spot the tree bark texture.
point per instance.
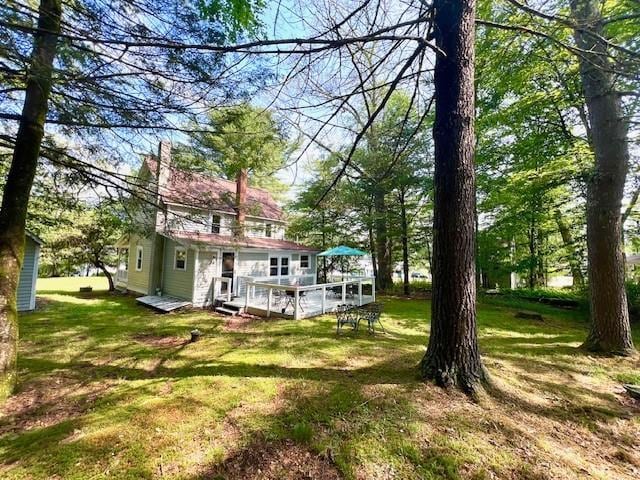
(372, 245)
(452, 356)
(610, 327)
(384, 279)
(15, 199)
(405, 243)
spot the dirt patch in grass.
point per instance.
(160, 341)
(48, 401)
(240, 322)
(271, 461)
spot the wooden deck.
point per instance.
(163, 304)
(310, 305)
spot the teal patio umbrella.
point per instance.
(342, 251)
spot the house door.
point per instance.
(228, 262)
(207, 269)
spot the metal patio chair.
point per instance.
(347, 315)
(371, 313)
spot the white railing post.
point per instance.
(359, 292)
(373, 288)
(269, 302)
(296, 301)
(324, 294)
(344, 292)
(247, 290)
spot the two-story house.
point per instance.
(207, 235)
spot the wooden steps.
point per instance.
(228, 308)
(163, 304)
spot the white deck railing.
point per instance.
(307, 300)
(223, 282)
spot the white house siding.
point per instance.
(196, 220)
(138, 281)
(188, 220)
(295, 264)
(207, 266)
(177, 283)
(252, 264)
(28, 274)
(256, 228)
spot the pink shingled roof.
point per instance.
(204, 191)
(229, 241)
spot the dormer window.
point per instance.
(267, 230)
(215, 224)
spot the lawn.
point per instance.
(111, 390)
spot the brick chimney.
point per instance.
(241, 201)
(163, 171)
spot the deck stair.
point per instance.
(228, 308)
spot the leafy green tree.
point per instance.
(94, 71)
(242, 138)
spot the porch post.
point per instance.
(269, 301)
(296, 301)
(324, 294)
(228, 291)
(373, 288)
(360, 292)
(344, 292)
(246, 294)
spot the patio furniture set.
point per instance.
(352, 315)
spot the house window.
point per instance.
(284, 266)
(267, 230)
(304, 261)
(180, 259)
(139, 258)
(215, 224)
(278, 266)
(273, 266)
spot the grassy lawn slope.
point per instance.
(112, 390)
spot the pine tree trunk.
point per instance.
(372, 246)
(15, 199)
(405, 243)
(610, 327)
(453, 357)
(383, 244)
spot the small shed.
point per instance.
(29, 273)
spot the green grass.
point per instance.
(70, 284)
(110, 390)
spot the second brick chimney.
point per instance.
(163, 169)
(241, 201)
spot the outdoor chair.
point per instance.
(290, 296)
(337, 291)
(347, 315)
(371, 313)
(350, 292)
(278, 298)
